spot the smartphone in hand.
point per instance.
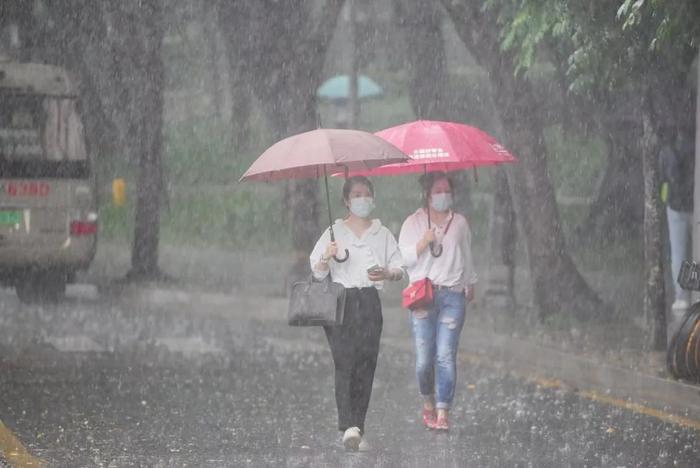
(374, 269)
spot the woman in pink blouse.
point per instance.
(436, 329)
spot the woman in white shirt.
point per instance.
(373, 258)
(436, 329)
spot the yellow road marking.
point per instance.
(637, 408)
(592, 395)
(547, 383)
(14, 452)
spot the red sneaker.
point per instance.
(429, 418)
(441, 424)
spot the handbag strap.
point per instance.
(327, 280)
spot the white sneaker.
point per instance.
(680, 304)
(352, 439)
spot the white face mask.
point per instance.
(441, 201)
(362, 206)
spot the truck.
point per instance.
(48, 204)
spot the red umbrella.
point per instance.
(319, 152)
(440, 146)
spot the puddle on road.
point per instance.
(165, 296)
(82, 291)
(288, 345)
(79, 343)
(188, 345)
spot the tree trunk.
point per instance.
(500, 286)
(617, 212)
(105, 42)
(421, 25)
(149, 187)
(301, 196)
(354, 98)
(62, 38)
(208, 16)
(558, 285)
(421, 33)
(421, 28)
(654, 303)
(283, 61)
(234, 23)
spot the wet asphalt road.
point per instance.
(165, 382)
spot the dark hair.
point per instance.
(427, 181)
(350, 181)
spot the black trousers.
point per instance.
(355, 347)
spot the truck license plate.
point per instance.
(10, 217)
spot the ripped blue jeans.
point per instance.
(436, 335)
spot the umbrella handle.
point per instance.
(435, 251)
(341, 260)
(330, 218)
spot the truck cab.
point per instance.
(48, 206)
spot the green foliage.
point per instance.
(244, 217)
(526, 26)
(203, 201)
(200, 149)
(207, 205)
(116, 223)
(629, 11)
(606, 44)
(673, 23)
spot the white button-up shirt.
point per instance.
(376, 246)
(454, 268)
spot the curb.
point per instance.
(581, 373)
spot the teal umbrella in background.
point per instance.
(338, 88)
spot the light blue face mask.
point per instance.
(362, 206)
(441, 201)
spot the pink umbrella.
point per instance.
(440, 146)
(326, 150)
(320, 152)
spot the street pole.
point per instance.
(696, 191)
(354, 101)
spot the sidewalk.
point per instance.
(580, 357)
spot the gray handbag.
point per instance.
(316, 303)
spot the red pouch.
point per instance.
(418, 295)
